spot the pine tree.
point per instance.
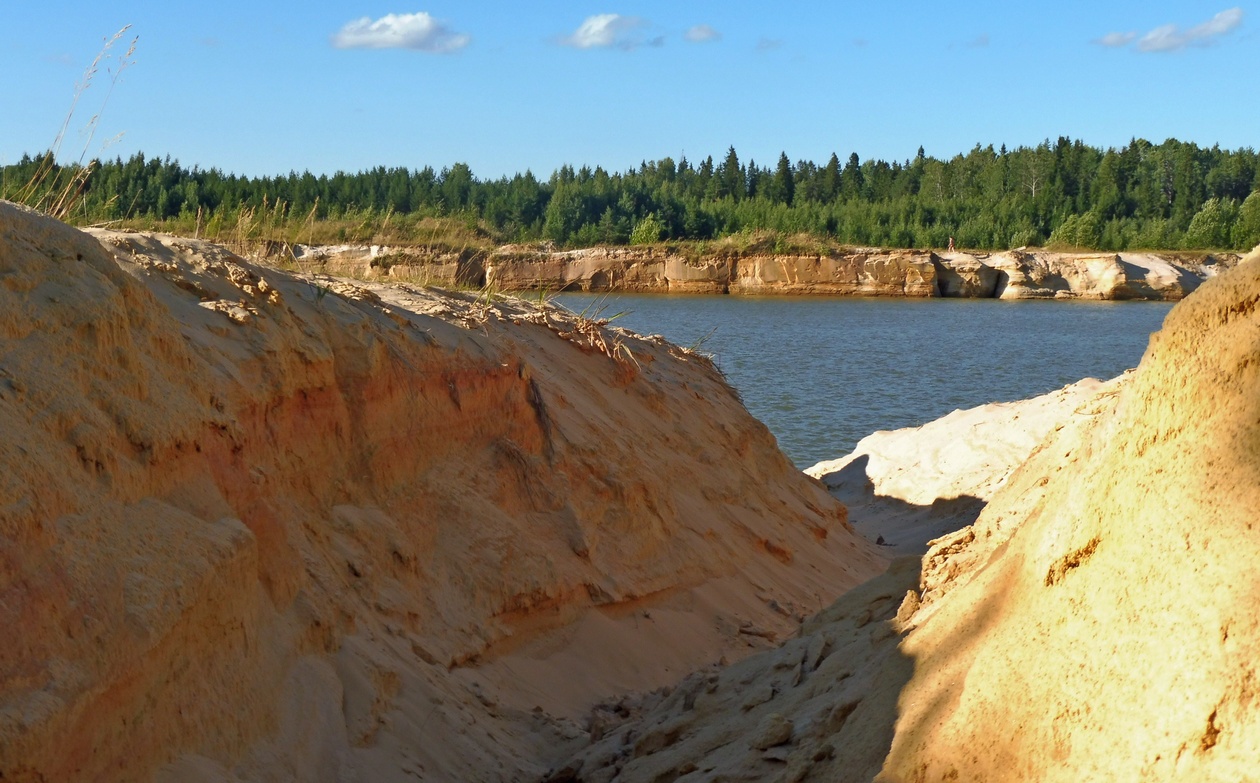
(851, 180)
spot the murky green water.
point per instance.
(823, 373)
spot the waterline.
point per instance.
(824, 372)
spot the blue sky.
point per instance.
(264, 87)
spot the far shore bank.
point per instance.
(1015, 274)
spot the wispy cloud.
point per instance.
(1116, 40)
(1173, 38)
(609, 30)
(979, 42)
(400, 31)
(769, 44)
(702, 33)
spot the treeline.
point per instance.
(1143, 195)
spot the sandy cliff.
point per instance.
(1017, 274)
(1042, 275)
(1095, 623)
(259, 526)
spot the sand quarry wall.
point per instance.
(259, 526)
(1017, 274)
(1113, 634)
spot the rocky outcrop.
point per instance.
(1017, 274)
(606, 269)
(1095, 623)
(861, 273)
(965, 276)
(1021, 274)
(257, 525)
(1040, 275)
(464, 268)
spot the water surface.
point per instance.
(824, 373)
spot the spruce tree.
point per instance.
(731, 177)
(831, 178)
(783, 186)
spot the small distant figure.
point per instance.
(951, 245)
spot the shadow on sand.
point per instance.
(904, 528)
(842, 683)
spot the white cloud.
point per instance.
(702, 33)
(1163, 39)
(604, 30)
(400, 31)
(1172, 38)
(1116, 40)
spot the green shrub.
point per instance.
(1247, 227)
(1212, 225)
(647, 231)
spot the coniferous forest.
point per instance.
(1174, 195)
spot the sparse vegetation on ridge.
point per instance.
(45, 184)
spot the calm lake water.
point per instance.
(824, 373)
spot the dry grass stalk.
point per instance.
(55, 189)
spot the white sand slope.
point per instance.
(906, 487)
